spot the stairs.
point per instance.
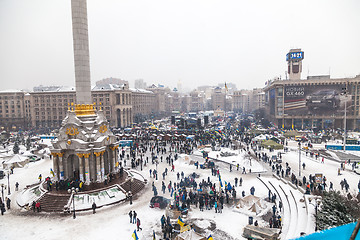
(136, 186)
(53, 203)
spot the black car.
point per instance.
(323, 98)
(159, 202)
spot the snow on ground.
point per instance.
(113, 221)
(240, 157)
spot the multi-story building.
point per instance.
(316, 102)
(160, 98)
(218, 100)
(14, 109)
(247, 101)
(47, 106)
(197, 102)
(143, 104)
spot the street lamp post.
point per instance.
(299, 159)
(73, 191)
(2, 191)
(344, 92)
(156, 175)
(8, 176)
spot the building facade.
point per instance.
(317, 102)
(46, 107)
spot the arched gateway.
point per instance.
(85, 149)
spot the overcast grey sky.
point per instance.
(196, 42)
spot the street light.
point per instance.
(156, 175)
(299, 158)
(73, 191)
(8, 175)
(2, 191)
(344, 92)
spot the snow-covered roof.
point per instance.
(11, 91)
(110, 86)
(140, 90)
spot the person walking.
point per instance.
(38, 206)
(8, 201)
(134, 216)
(2, 207)
(93, 207)
(138, 224)
(16, 186)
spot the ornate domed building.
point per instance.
(85, 149)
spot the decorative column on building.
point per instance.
(87, 168)
(102, 165)
(98, 166)
(81, 166)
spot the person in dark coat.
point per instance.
(93, 207)
(2, 208)
(8, 201)
(33, 205)
(134, 216)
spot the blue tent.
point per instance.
(337, 233)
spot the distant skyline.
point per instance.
(196, 42)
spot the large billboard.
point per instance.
(315, 99)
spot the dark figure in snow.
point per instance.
(17, 185)
(134, 216)
(240, 182)
(138, 224)
(33, 205)
(8, 201)
(236, 181)
(252, 190)
(2, 207)
(280, 205)
(93, 206)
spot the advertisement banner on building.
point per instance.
(315, 99)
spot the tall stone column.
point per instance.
(98, 166)
(102, 165)
(81, 51)
(56, 166)
(81, 166)
(61, 166)
(87, 169)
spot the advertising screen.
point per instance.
(315, 99)
(295, 55)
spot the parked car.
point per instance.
(159, 202)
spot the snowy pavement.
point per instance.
(113, 221)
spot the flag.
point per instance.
(210, 237)
(180, 221)
(134, 235)
(52, 172)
